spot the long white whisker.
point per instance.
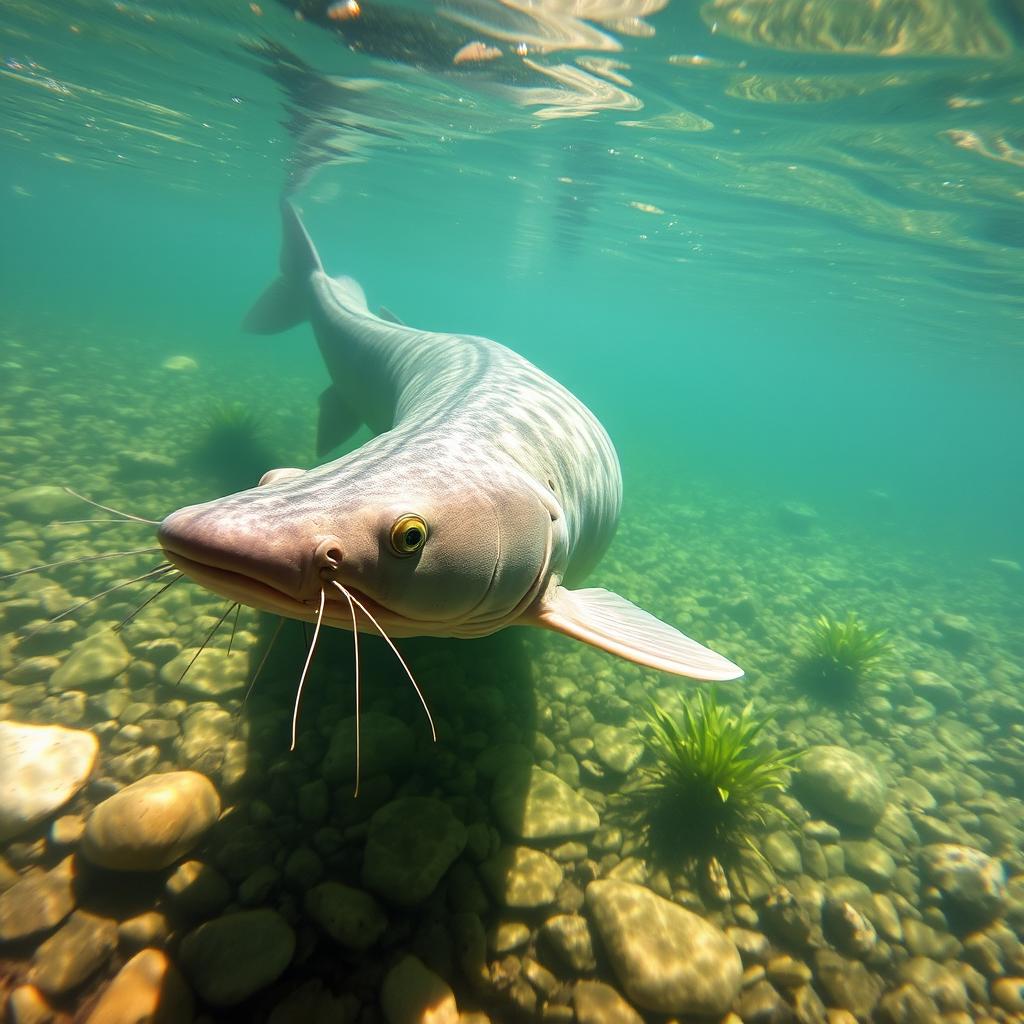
(387, 639)
(76, 522)
(159, 573)
(79, 561)
(209, 636)
(112, 511)
(149, 600)
(355, 642)
(263, 661)
(305, 668)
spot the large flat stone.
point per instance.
(666, 958)
(43, 767)
(531, 803)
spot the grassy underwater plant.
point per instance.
(707, 792)
(232, 446)
(838, 654)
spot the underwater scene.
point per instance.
(512, 511)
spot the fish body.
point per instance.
(487, 492)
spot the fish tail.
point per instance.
(285, 302)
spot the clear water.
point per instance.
(776, 247)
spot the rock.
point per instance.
(937, 982)
(1009, 994)
(785, 972)
(783, 916)
(27, 1005)
(809, 1009)
(796, 517)
(67, 830)
(760, 1003)
(41, 503)
(93, 662)
(411, 844)
(598, 1003)
(882, 913)
(617, 749)
(666, 958)
(180, 364)
(69, 956)
(386, 747)
(349, 916)
(955, 631)
(846, 984)
(847, 928)
(915, 795)
(44, 766)
(214, 674)
(972, 884)
(303, 868)
(149, 928)
(469, 947)
(197, 890)
(753, 947)
(206, 732)
(412, 994)
(148, 990)
(741, 609)
(568, 938)
(842, 785)
(531, 803)
(507, 936)
(923, 940)
(38, 902)
(231, 957)
(152, 822)
(869, 861)
(906, 1005)
(520, 877)
(142, 465)
(781, 852)
(934, 689)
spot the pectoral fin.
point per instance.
(605, 620)
(337, 423)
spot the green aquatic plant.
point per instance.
(232, 446)
(838, 653)
(708, 790)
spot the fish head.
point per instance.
(423, 551)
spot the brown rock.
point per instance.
(147, 990)
(38, 902)
(81, 947)
(152, 822)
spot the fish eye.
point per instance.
(408, 534)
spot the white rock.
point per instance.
(44, 766)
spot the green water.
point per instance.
(777, 248)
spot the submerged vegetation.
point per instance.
(838, 654)
(232, 447)
(708, 790)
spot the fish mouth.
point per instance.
(254, 593)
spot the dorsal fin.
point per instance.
(392, 318)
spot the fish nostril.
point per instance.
(328, 558)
